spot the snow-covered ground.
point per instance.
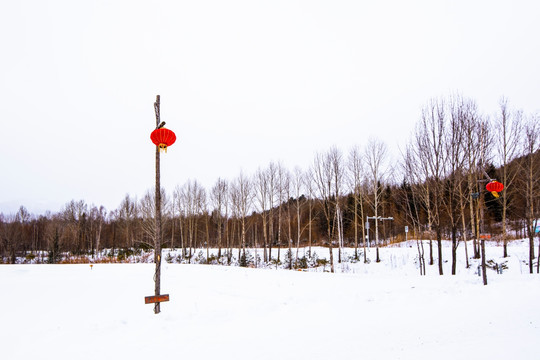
(368, 311)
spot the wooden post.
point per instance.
(157, 244)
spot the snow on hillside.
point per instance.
(375, 311)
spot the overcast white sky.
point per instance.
(242, 83)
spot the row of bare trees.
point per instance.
(437, 188)
(449, 160)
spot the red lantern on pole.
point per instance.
(163, 138)
(494, 187)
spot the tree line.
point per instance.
(353, 198)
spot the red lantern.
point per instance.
(494, 187)
(162, 138)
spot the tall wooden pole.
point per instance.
(157, 248)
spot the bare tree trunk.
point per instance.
(331, 250)
(265, 239)
(464, 236)
(431, 261)
(356, 227)
(474, 225)
(538, 260)
(207, 239)
(255, 241)
(297, 227)
(98, 236)
(229, 241)
(172, 230)
(422, 266)
(439, 250)
(309, 235)
(182, 242)
(279, 233)
(270, 231)
(530, 169)
(454, 250)
(484, 274)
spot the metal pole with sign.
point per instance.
(367, 233)
(406, 231)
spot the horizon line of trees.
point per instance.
(436, 188)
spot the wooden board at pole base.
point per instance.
(156, 299)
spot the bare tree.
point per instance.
(530, 168)
(429, 144)
(356, 172)
(147, 209)
(191, 194)
(308, 181)
(508, 127)
(375, 156)
(203, 206)
(9, 236)
(99, 216)
(74, 216)
(412, 173)
(484, 142)
(262, 196)
(180, 202)
(219, 199)
(281, 184)
(323, 177)
(286, 185)
(475, 143)
(336, 162)
(174, 205)
(242, 200)
(472, 133)
(460, 110)
(298, 185)
(272, 192)
(127, 213)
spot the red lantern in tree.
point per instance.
(494, 187)
(162, 138)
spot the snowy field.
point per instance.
(370, 311)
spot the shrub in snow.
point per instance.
(246, 259)
(322, 262)
(275, 262)
(213, 259)
(354, 258)
(312, 260)
(302, 263)
(229, 258)
(200, 258)
(179, 259)
(288, 259)
(258, 260)
(29, 258)
(124, 254)
(496, 266)
(243, 260)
